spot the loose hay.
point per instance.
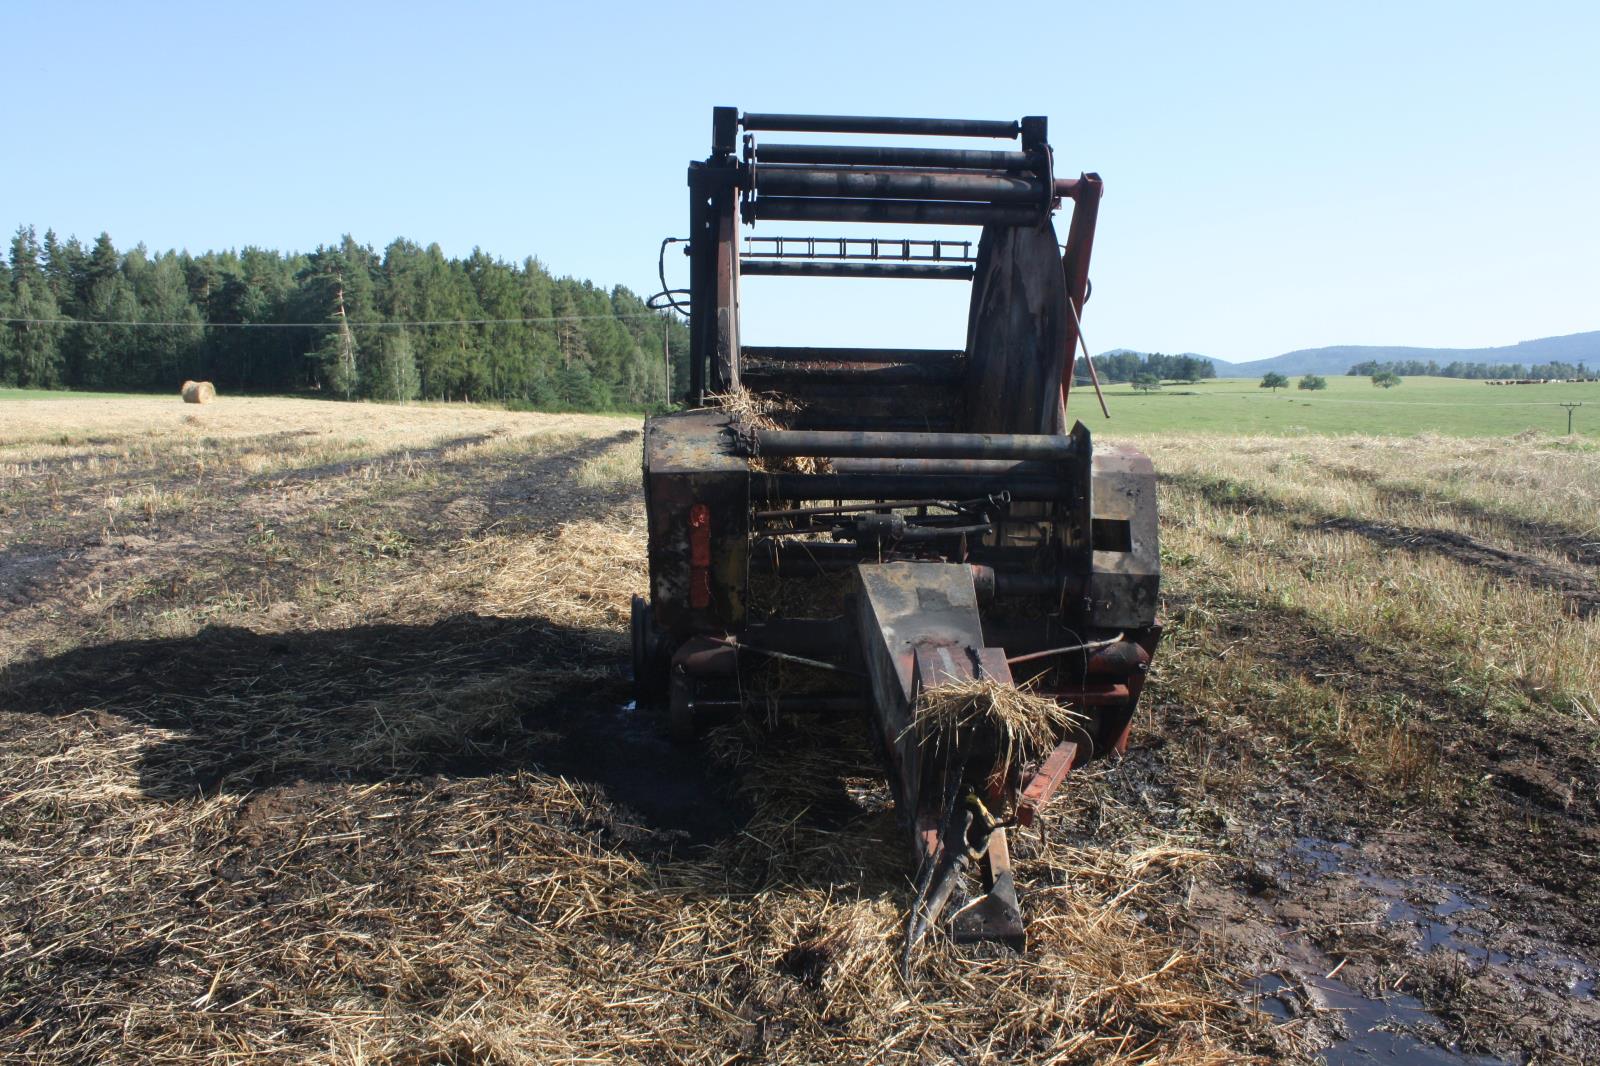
(1028, 723)
(755, 409)
(583, 575)
(767, 410)
(198, 392)
(520, 917)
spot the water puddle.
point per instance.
(1436, 923)
(1392, 1029)
(1381, 1030)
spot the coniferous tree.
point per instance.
(394, 377)
(61, 262)
(336, 356)
(98, 345)
(36, 338)
(478, 328)
(337, 288)
(8, 362)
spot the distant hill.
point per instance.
(1573, 348)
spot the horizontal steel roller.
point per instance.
(871, 445)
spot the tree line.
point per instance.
(1136, 366)
(345, 320)
(1476, 371)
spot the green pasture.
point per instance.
(1450, 406)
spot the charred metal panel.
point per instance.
(1016, 333)
(849, 382)
(1126, 579)
(902, 605)
(727, 345)
(863, 404)
(949, 358)
(689, 461)
(919, 626)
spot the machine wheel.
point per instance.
(650, 665)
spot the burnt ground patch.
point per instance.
(1580, 592)
(1518, 832)
(1536, 825)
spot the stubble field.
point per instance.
(314, 746)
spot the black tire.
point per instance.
(650, 665)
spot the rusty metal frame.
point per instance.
(1085, 194)
(978, 532)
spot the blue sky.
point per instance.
(1277, 176)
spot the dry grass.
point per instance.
(618, 466)
(1365, 559)
(759, 410)
(348, 802)
(262, 428)
(311, 763)
(1540, 494)
(582, 575)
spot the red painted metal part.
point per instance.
(699, 556)
(1085, 194)
(1095, 695)
(1042, 787)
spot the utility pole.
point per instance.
(666, 363)
(1569, 407)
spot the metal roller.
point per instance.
(948, 467)
(870, 445)
(925, 127)
(906, 486)
(914, 212)
(900, 185)
(872, 155)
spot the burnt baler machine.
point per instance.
(891, 521)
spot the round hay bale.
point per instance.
(199, 392)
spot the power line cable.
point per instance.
(322, 325)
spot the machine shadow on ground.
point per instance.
(467, 696)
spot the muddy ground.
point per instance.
(177, 647)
